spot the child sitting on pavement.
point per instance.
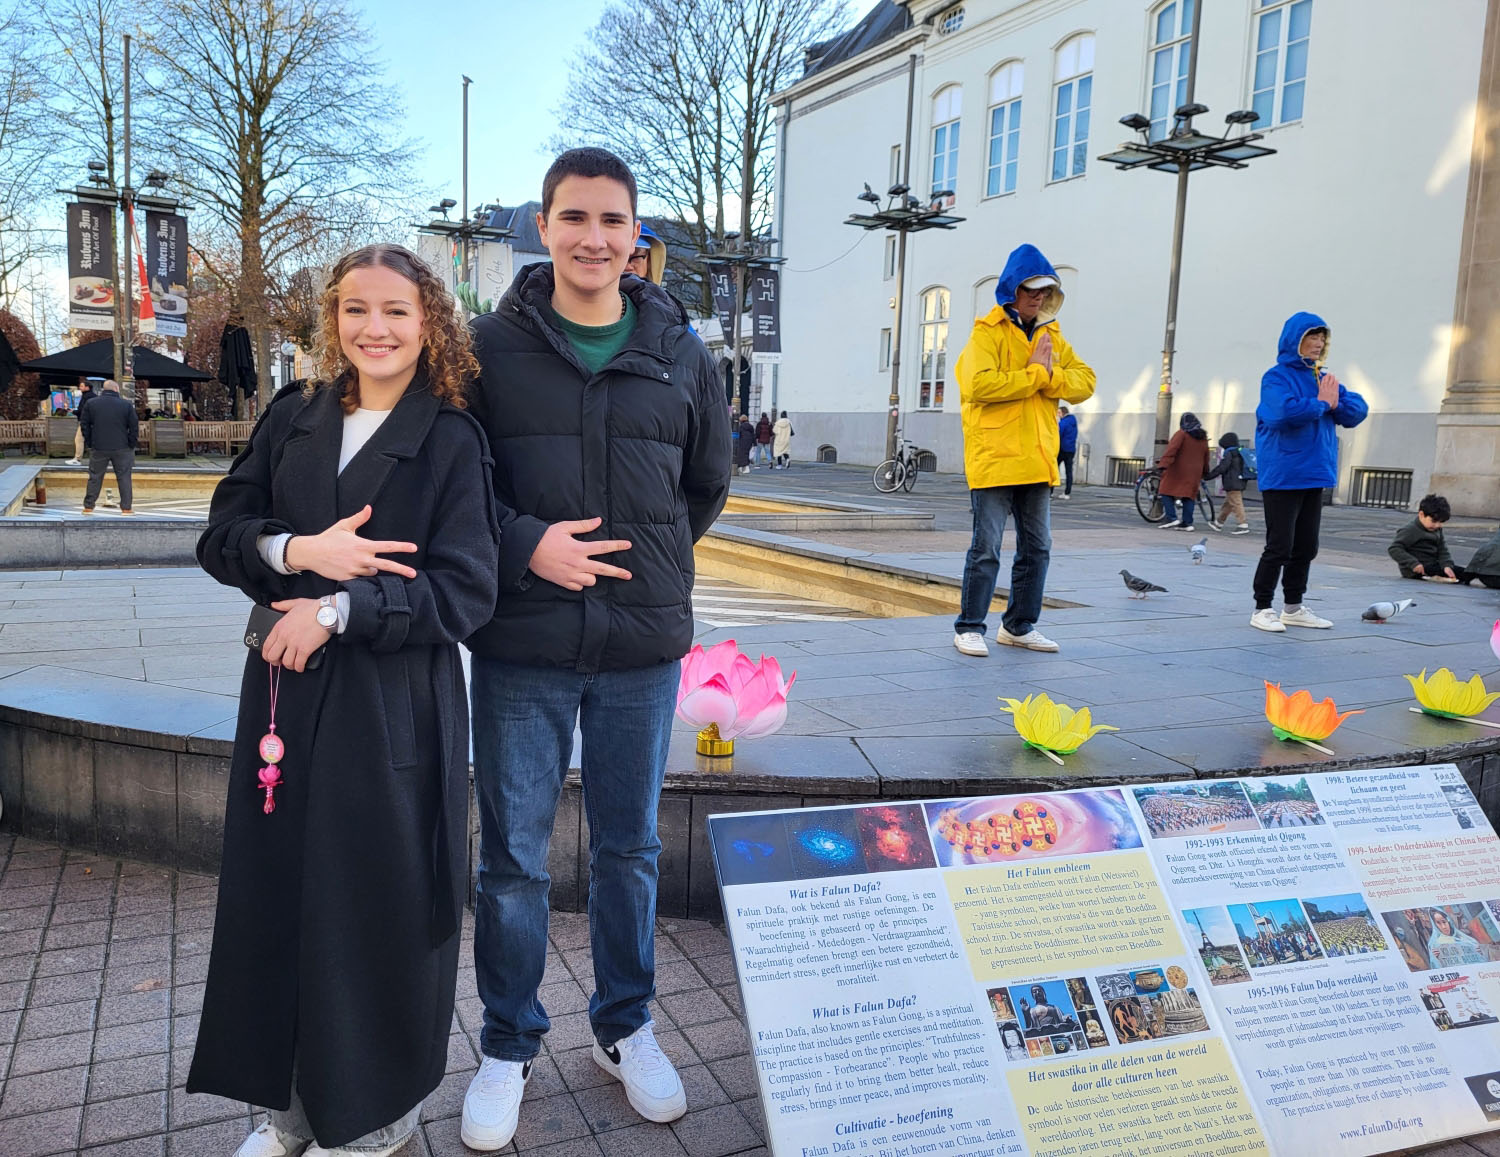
(1231, 469)
(1419, 549)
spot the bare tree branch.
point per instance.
(680, 90)
(264, 107)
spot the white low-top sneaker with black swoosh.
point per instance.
(652, 1085)
(492, 1106)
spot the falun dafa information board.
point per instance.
(1281, 965)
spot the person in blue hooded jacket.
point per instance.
(1296, 440)
(1067, 446)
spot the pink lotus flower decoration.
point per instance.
(1495, 639)
(725, 690)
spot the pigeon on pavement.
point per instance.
(1139, 587)
(1199, 550)
(1380, 612)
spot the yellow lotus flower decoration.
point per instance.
(1298, 717)
(1444, 695)
(1050, 726)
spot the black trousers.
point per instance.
(122, 462)
(1293, 519)
(1065, 459)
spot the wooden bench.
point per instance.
(32, 432)
(229, 435)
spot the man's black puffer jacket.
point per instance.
(643, 444)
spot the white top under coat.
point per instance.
(359, 428)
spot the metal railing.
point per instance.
(1381, 486)
(1125, 471)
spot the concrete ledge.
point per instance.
(15, 484)
(143, 773)
(107, 542)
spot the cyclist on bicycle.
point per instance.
(1012, 373)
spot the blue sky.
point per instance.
(517, 53)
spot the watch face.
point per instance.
(328, 617)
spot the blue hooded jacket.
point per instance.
(1024, 263)
(1296, 442)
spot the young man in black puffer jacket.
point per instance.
(607, 421)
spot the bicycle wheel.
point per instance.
(1147, 500)
(888, 475)
(910, 478)
(1206, 502)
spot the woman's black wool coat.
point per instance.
(336, 939)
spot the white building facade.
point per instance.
(1359, 216)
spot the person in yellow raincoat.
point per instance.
(1011, 375)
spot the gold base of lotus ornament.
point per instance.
(709, 742)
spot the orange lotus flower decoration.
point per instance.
(1297, 717)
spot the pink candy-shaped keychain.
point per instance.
(271, 750)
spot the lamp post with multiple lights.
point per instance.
(902, 215)
(1184, 150)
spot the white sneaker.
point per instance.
(1302, 617)
(1169, 525)
(1065, 497)
(1189, 527)
(1032, 640)
(269, 1141)
(1266, 619)
(77, 462)
(1242, 528)
(652, 1085)
(493, 1104)
(1212, 525)
(971, 643)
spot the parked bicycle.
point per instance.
(1148, 500)
(900, 471)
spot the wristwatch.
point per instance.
(328, 614)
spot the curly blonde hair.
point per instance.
(447, 355)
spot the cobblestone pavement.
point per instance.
(102, 964)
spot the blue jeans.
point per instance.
(1031, 507)
(1170, 506)
(523, 736)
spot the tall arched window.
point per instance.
(1005, 129)
(984, 296)
(947, 108)
(1282, 28)
(934, 348)
(1171, 45)
(1072, 97)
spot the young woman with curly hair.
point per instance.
(362, 511)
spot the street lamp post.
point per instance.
(741, 254)
(902, 215)
(1183, 151)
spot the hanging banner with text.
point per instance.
(91, 267)
(765, 315)
(721, 284)
(1262, 966)
(166, 271)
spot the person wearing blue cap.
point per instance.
(649, 258)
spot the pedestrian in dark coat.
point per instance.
(331, 982)
(763, 435)
(743, 444)
(1183, 464)
(110, 429)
